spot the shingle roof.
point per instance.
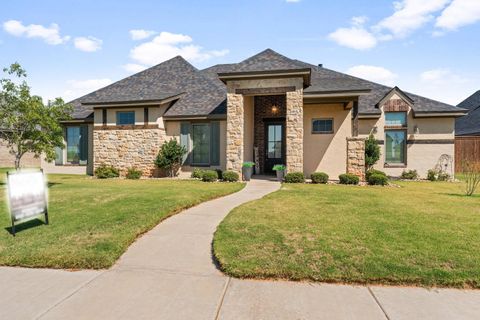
(469, 124)
(204, 94)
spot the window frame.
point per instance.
(323, 132)
(399, 164)
(117, 115)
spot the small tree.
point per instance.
(471, 172)
(170, 156)
(372, 152)
(26, 124)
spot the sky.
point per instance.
(70, 48)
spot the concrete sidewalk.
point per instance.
(169, 274)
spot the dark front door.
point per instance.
(274, 145)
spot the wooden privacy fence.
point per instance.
(467, 148)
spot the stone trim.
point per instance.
(128, 127)
(264, 91)
(235, 132)
(294, 131)
(356, 156)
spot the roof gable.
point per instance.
(470, 123)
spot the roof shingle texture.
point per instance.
(470, 123)
(204, 94)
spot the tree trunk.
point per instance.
(18, 157)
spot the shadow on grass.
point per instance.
(461, 195)
(22, 226)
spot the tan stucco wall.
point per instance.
(155, 115)
(326, 152)
(8, 160)
(296, 82)
(420, 157)
(248, 139)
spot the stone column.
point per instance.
(294, 131)
(356, 156)
(235, 125)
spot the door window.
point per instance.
(274, 145)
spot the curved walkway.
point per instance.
(169, 273)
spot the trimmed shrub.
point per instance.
(106, 172)
(133, 173)
(319, 177)
(348, 178)
(377, 180)
(409, 175)
(170, 156)
(197, 173)
(209, 176)
(373, 171)
(230, 176)
(432, 175)
(294, 177)
(372, 151)
(443, 176)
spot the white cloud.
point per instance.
(374, 73)
(441, 76)
(133, 67)
(50, 35)
(167, 45)
(410, 15)
(355, 37)
(458, 14)
(78, 88)
(140, 34)
(88, 44)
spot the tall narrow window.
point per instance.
(395, 147)
(201, 144)
(77, 145)
(125, 118)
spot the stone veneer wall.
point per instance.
(235, 129)
(356, 156)
(126, 148)
(262, 106)
(294, 131)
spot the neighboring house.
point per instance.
(268, 109)
(469, 125)
(467, 134)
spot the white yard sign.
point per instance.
(27, 195)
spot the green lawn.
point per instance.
(92, 222)
(422, 233)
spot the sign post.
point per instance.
(27, 195)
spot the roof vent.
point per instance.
(320, 65)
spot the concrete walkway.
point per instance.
(169, 274)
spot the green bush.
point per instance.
(105, 172)
(432, 175)
(209, 176)
(230, 176)
(197, 173)
(319, 177)
(133, 173)
(443, 176)
(348, 178)
(409, 175)
(373, 171)
(377, 179)
(372, 151)
(294, 177)
(170, 157)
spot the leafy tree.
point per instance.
(26, 123)
(170, 156)
(372, 151)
